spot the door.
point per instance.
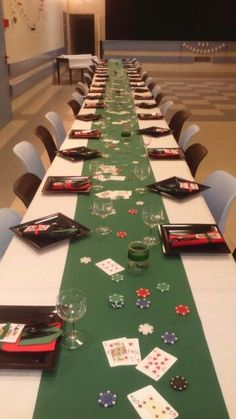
(5, 108)
(82, 34)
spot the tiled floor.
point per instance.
(211, 101)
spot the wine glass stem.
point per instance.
(151, 231)
(73, 328)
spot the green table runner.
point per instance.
(71, 392)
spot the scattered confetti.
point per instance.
(146, 329)
(121, 234)
(139, 203)
(85, 260)
(132, 211)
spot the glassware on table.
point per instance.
(103, 207)
(95, 170)
(152, 217)
(146, 141)
(71, 305)
(138, 255)
(141, 171)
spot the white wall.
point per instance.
(21, 42)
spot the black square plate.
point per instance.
(60, 228)
(78, 153)
(173, 186)
(191, 229)
(67, 184)
(165, 153)
(29, 315)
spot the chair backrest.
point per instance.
(77, 96)
(148, 81)
(8, 218)
(155, 90)
(26, 186)
(60, 132)
(159, 98)
(177, 121)
(87, 79)
(165, 106)
(46, 137)
(194, 155)
(30, 158)
(144, 75)
(187, 134)
(82, 88)
(75, 106)
(220, 195)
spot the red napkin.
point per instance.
(178, 240)
(46, 347)
(163, 153)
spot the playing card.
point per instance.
(9, 332)
(133, 351)
(114, 194)
(149, 404)
(117, 351)
(110, 266)
(156, 363)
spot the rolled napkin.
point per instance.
(89, 117)
(76, 133)
(71, 185)
(144, 105)
(37, 230)
(186, 239)
(154, 131)
(157, 153)
(149, 116)
(94, 105)
(140, 97)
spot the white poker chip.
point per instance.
(146, 329)
(85, 260)
(140, 203)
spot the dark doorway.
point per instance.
(82, 34)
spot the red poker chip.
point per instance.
(181, 309)
(121, 234)
(132, 211)
(142, 292)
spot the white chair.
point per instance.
(155, 91)
(165, 107)
(220, 195)
(60, 132)
(8, 218)
(187, 134)
(148, 81)
(30, 158)
(82, 88)
(78, 97)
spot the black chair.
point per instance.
(158, 98)
(75, 106)
(177, 121)
(46, 137)
(194, 155)
(26, 186)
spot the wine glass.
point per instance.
(152, 216)
(103, 207)
(146, 141)
(141, 172)
(71, 305)
(95, 169)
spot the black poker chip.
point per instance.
(179, 383)
(107, 398)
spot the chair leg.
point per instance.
(70, 75)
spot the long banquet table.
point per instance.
(205, 282)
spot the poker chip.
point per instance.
(169, 337)
(142, 292)
(143, 303)
(132, 211)
(139, 203)
(146, 329)
(107, 398)
(179, 383)
(116, 300)
(121, 234)
(182, 310)
(163, 287)
(117, 277)
(85, 260)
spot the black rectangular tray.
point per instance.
(65, 182)
(165, 230)
(171, 187)
(80, 134)
(159, 154)
(56, 221)
(29, 360)
(79, 153)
